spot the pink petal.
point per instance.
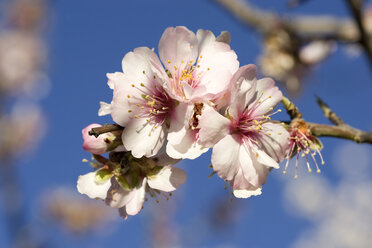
(177, 45)
(141, 60)
(225, 157)
(213, 127)
(269, 99)
(276, 144)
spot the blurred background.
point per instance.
(54, 56)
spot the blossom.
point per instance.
(200, 68)
(155, 96)
(246, 145)
(123, 180)
(96, 145)
(304, 144)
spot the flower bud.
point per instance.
(97, 145)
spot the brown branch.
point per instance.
(344, 132)
(97, 131)
(292, 110)
(312, 27)
(328, 113)
(356, 10)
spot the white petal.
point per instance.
(243, 193)
(105, 109)
(168, 179)
(135, 204)
(117, 197)
(225, 157)
(213, 127)
(86, 185)
(142, 138)
(189, 148)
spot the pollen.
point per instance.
(169, 61)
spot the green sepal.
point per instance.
(123, 182)
(102, 176)
(316, 144)
(154, 171)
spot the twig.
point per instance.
(97, 131)
(344, 132)
(310, 27)
(292, 110)
(328, 113)
(356, 10)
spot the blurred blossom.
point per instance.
(77, 214)
(21, 129)
(21, 60)
(341, 214)
(279, 61)
(26, 14)
(316, 51)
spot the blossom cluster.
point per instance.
(178, 105)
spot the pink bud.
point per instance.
(95, 145)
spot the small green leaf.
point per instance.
(123, 182)
(102, 176)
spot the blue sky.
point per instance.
(87, 39)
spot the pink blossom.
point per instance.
(150, 100)
(246, 144)
(97, 145)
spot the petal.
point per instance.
(121, 103)
(225, 157)
(123, 213)
(140, 64)
(117, 197)
(276, 144)
(142, 138)
(86, 185)
(244, 193)
(179, 120)
(136, 203)
(268, 97)
(224, 37)
(168, 179)
(213, 127)
(177, 45)
(215, 66)
(188, 148)
(243, 89)
(105, 109)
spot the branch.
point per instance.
(332, 116)
(344, 132)
(356, 9)
(292, 110)
(313, 27)
(97, 131)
